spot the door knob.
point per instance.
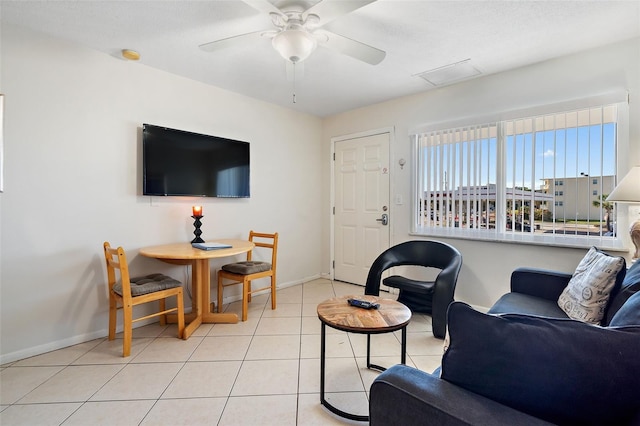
(384, 219)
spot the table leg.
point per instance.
(323, 401)
(403, 355)
(196, 312)
(369, 364)
(205, 301)
(322, 361)
(200, 301)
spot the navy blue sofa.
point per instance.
(530, 365)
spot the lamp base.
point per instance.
(634, 231)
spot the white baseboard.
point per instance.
(82, 338)
(51, 346)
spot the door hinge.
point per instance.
(334, 210)
(334, 264)
(334, 156)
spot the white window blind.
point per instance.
(536, 177)
(458, 177)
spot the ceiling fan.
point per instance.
(298, 30)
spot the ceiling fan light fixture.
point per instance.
(294, 45)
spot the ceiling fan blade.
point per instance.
(328, 10)
(355, 49)
(263, 6)
(238, 40)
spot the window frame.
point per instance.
(614, 243)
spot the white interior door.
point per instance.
(361, 179)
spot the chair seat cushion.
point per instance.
(414, 286)
(148, 284)
(247, 267)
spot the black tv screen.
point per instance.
(176, 162)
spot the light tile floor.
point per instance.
(265, 371)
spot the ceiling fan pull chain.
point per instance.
(294, 82)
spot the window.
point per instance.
(500, 180)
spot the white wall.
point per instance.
(487, 266)
(72, 180)
(72, 161)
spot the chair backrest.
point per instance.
(427, 253)
(268, 241)
(117, 261)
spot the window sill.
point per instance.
(548, 240)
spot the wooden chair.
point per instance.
(127, 292)
(246, 271)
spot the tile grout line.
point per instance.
(244, 359)
(313, 293)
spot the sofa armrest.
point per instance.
(406, 396)
(539, 282)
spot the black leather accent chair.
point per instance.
(431, 297)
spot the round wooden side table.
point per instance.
(337, 313)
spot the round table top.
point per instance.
(338, 314)
(185, 251)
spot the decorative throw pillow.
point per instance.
(585, 297)
(560, 370)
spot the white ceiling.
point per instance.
(418, 35)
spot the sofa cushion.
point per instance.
(560, 370)
(630, 286)
(628, 314)
(586, 296)
(518, 303)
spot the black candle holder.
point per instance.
(197, 232)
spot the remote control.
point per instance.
(363, 304)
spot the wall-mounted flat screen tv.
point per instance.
(180, 163)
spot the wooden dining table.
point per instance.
(185, 254)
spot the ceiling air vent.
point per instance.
(449, 73)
